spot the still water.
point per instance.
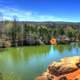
(26, 63)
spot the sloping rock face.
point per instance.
(66, 69)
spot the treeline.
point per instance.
(36, 33)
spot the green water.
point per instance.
(26, 63)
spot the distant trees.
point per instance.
(1, 25)
(15, 30)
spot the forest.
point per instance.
(19, 33)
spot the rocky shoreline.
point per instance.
(66, 69)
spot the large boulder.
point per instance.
(66, 69)
(7, 44)
(65, 66)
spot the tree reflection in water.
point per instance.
(1, 76)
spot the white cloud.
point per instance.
(22, 15)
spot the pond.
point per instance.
(26, 63)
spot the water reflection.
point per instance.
(25, 63)
(69, 47)
(1, 76)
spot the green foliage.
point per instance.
(44, 31)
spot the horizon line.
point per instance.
(41, 21)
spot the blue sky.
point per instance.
(41, 10)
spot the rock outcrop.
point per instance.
(66, 69)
